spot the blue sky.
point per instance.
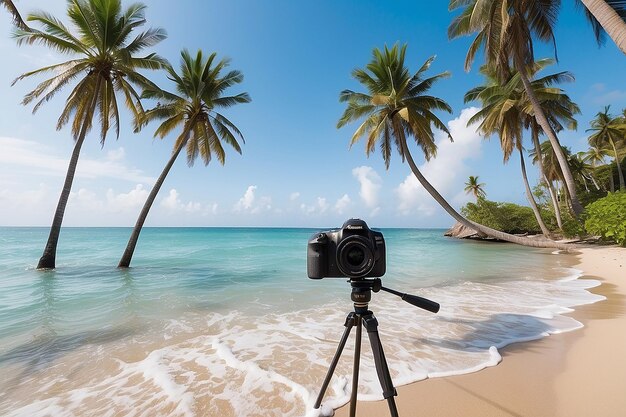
(296, 168)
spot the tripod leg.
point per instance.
(355, 367)
(371, 324)
(350, 322)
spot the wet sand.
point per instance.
(580, 373)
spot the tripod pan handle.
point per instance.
(421, 302)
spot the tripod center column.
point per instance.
(361, 295)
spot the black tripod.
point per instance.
(361, 295)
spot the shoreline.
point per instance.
(577, 373)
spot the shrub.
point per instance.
(571, 226)
(607, 217)
(507, 217)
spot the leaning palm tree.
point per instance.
(608, 132)
(477, 189)
(543, 156)
(560, 111)
(396, 107)
(104, 64)
(502, 114)
(200, 86)
(15, 14)
(553, 176)
(608, 16)
(506, 30)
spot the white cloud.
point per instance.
(294, 196)
(320, 207)
(92, 203)
(342, 204)
(245, 202)
(322, 204)
(370, 184)
(39, 158)
(116, 154)
(24, 198)
(173, 203)
(445, 172)
(86, 199)
(135, 198)
(251, 204)
(265, 204)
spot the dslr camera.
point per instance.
(354, 251)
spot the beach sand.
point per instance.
(579, 373)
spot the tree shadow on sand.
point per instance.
(498, 330)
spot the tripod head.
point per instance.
(362, 294)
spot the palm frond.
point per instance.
(229, 127)
(15, 15)
(146, 39)
(168, 125)
(349, 95)
(51, 86)
(362, 130)
(230, 101)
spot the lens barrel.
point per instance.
(355, 257)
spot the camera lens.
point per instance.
(355, 257)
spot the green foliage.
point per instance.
(507, 217)
(607, 217)
(571, 226)
(587, 197)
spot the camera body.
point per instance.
(354, 251)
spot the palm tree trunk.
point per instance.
(48, 258)
(610, 21)
(531, 199)
(595, 183)
(520, 240)
(547, 129)
(585, 183)
(134, 237)
(620, 174)
(555, 203)
(557, 210)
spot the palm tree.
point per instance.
(396, 107)
(559, 110)
(552, 170)
(105, 63)
(595, 157)
(200, 87)
(15, 14)
(472, 186)
(582, 170)
(505, 30)
(608, 133)
(503, 114)
(610, 16)
(543, 156)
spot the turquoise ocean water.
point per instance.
(225, 322)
